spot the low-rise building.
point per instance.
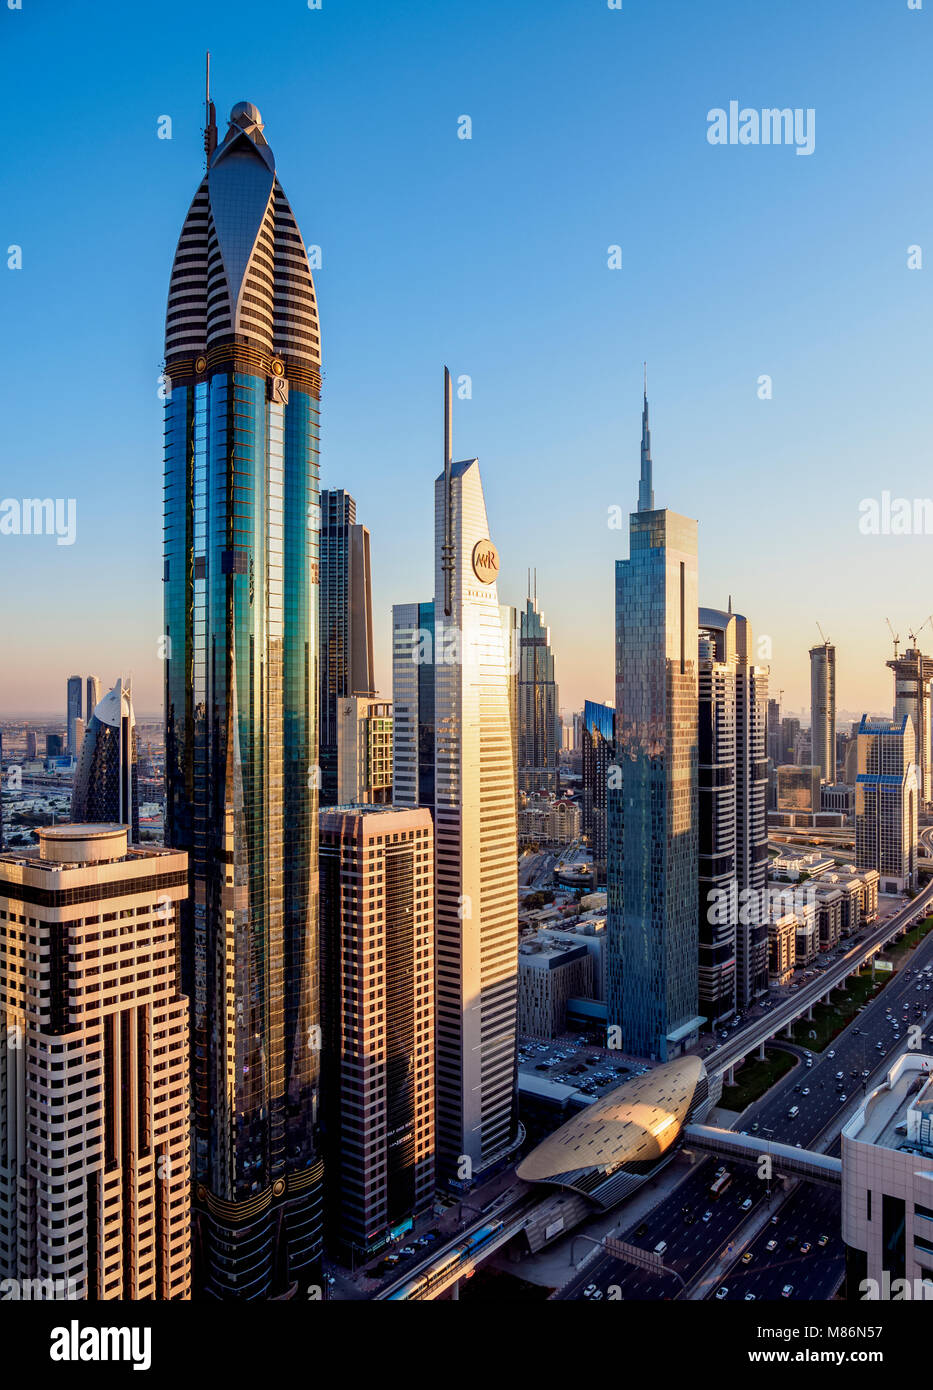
(782, 945)
(887, 1186)
(549, 973)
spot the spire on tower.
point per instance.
(645, 488)
(210, 120)
(447, 554)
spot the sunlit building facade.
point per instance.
(475, 837)
(242, 520)
(95, 1173)
(887, 802)
(823, 710)
(346, 626)
(377, 953)
(653, 816)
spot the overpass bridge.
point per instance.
(786, 1159)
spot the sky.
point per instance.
(589, 131)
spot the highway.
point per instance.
(760, 1030)
(696, 1246)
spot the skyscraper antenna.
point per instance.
(210, 118)
(447, 557)
(645, 486)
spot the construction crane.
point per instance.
(895, 635)
(824, 637)
(914, 635)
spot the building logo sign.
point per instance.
(485, 561)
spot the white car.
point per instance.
(787, 1290)
(749, 1298)
(591, 1291)
(722, 1292)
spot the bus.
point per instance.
(720, 1185)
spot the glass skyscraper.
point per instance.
(598, 739)
(106, 785)
(242, 520)
(346, 624)
(413, 704)
(653, 846)
(538, 748)
(75, 697)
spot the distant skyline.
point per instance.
(589, 131)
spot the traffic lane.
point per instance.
(690, 1246)
(851, 956)
(854, 1050)
(810, 1213)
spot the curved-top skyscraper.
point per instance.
(106, 784)
(243, 362)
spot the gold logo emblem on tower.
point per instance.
(278, 1187)
(200, 364)
(278, 367)
(485, 561)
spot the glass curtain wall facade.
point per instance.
(106, 785)
(538, 747)
(242, 520)
(598, 752)
(413, 704)
(346, 652)
(653, 845)
(75, 697)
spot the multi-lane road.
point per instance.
(696, 1246)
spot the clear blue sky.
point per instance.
(589, 129)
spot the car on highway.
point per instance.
(787, 1290)
(707, 1216)
(722, 1291)
(772, 1245)
(591, 1291)
(823, 1241)
(806, 1248)
(747, 1257)
(805, 1091)
(746, 1205)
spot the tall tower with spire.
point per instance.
(241, 536)
(652, 811)
(645, 484)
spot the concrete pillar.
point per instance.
(790, 1030)
(761, 1053)
(730, 1076)
(455, 1291)
(810, 1014)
